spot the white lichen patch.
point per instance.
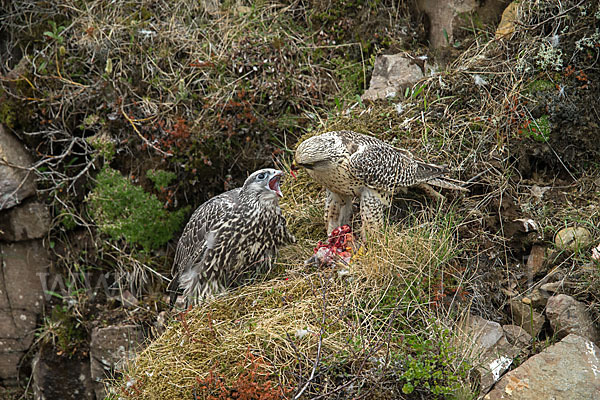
(498, 366)
(595, 362)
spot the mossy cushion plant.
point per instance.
(125, 211)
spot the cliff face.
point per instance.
(117, 122)
(25, 222)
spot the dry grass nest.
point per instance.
(349, 317)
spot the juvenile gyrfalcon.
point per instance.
(351, 164)
(229, 237)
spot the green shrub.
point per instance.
(538, 129)
(160, 178)
(432, 366)
(122, 210)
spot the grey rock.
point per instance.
(391, 74)
(61, 377)
(24, 266)
(526, 317)
(9, 362)
(564, 371)
(539, 298)
(448, 18)
(517, 336)
(30, 220)
(16, 181)
(572, 238)
(567, 315)
(487, 347)
(551, 287)
(110, 348)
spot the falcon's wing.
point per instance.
(202, 221)
(386, 168)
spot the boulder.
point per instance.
(567, 315)
(110, 348)
(30, 220)
(61, 377)
(572, 238)
(506, 27)
(24, 266)
(448, 19)
(517, 336)
(392, 74)
(526, 317)
(16, 181)
(564, 371)
(486, 346)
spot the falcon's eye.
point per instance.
(261, 176)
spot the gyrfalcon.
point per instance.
(230, 237)
(350, 164)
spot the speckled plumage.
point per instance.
(350, 164)
(229, 237)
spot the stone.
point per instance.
(539, 298)
(30, 220)
(564, 371)
(567, 315)
(24, 266)
(127, 299)
(526, 317)
(517, 336)
(61, 377)
(486, 347)
(391, 75)
(16, 181)
(572, 238)
(9, 362)
(552, 287)
(449, 19)
(535, 260)
(506, 27)
(110, 348)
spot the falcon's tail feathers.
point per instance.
(446, 184)
(426, 171)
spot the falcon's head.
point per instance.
(264, 184)
(319, 151)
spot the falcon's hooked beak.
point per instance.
(274, 183)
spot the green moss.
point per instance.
(539, 129)
(62, 329)
(160, 178)
(539, 85)
(8, 116)
(125, 211)
(67, 221)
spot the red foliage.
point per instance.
(252, 384)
